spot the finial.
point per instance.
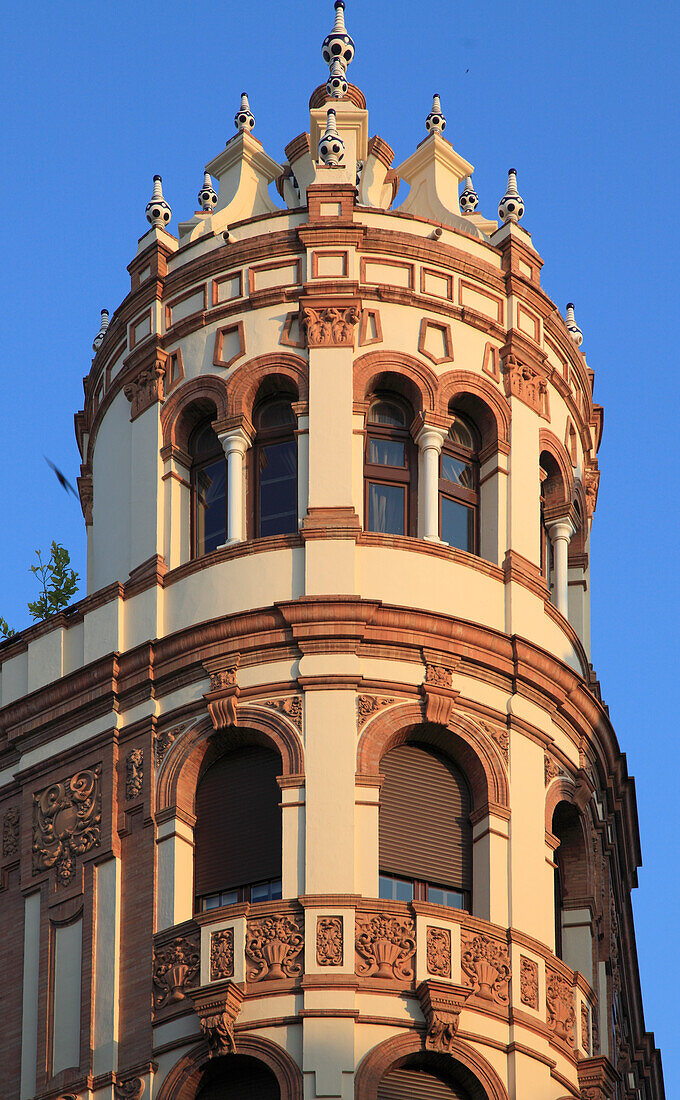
(574, 330)
(207, 196)
(158, 212)
(336, 85)
(511, 206)
(338, 44)
(244, 119)
(331, 146)
(469, 197)
(99, 338)
(435, 121)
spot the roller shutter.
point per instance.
(413, 1084)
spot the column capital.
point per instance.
(430, 437)
(235, 439)
(562, 528)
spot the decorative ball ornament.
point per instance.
(336, 85)
(511, 206)
(244, 119)
(574, 330)
(338, 44)
(99, 338)
(158, 211)
(207, 196)
(435, 121)
(469, 198)
(331, 146)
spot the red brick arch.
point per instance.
(458, 383)
(423, 383)
(393, 1052)
(183, 1080)
(247, 379)
(199, 397)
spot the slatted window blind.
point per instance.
(425, 831)
(414, 1084)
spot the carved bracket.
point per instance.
(148, 386)
(438, 693)
(132, 1089)
(223, 693)
(217, 1009)
(597, 1078)
(441, 1003)
(524, 382)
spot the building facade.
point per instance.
(314, 793)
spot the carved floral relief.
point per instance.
(560, 1005)
(222, 954)
(10, 832)
(290, 707)
(368, 705)
(273, 946)
(134, 773)
(552, 768)
(385, 946)
(528, 980)
(486, 967)
(500, 737)
(67, 822)
(175, 970)
(439, 952)
(329, 941)
(330, 326)
(438, 676)
(163, 741)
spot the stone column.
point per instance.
(560, 534)
(430, 441)
(235, 443)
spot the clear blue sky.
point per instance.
(580, 98)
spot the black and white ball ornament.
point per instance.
(244, 119)
(331, 145)
(158, 211)
(511, 206)
(574, 330)
(336, 85)
(338, 45)
(207, 196)
(469, 199)
(435, 122)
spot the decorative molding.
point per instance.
(585, 1028)
(134, 773)
(591, 478)
(441, 1004)
(222, 954)
(329, 941)
(439, 952)
(447, 341)
(486, 967)
(291, 708)
(330, 325)
(10, 832)
(67, 822)
(368, 705)
(147, 387)
(499, 736)
(217, 1008)
(384, 945)
(238, 329)
(559, 998)
(163, 741)
(522, 381)
(364, 338)
(223, 692)
(132, 1089)
(438, 693)
(552, 769)
(175, 970)
(528, 980)
(286, 338)
(273, 945)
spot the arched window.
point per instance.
(430, 1076)
(459, 486)
(237, 837)
(208, 490)
(389, 468)
(546, 542)
(573, 941)
(425, 831)
(275, 457)
(238, 1077)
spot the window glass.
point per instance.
(278, 488)
(457, 471)
(266, 891)
(457, 524)
(460, 433)
(441, 895)
(275, 414)
(210, 506)
(388, 413)
(386, 452)
(386, 508)
(395, 888)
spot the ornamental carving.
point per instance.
(175, 970)
(438, 676)
(330, 326)
(67, 822)
(591, 486)
(329, 941)
(368, 705)
(552, 768)
(163, 741)
(145, 389)
(528, 981)
(441, 1003)
(134, 773)
(290, 707)
(559, 998)
(222, 954)
(585, 1028)
(527, 384)
(219, 1033)
(597, 1078)
(10, 832)
(132, 1089)
(384, 946)
(223, 693)
(273, 946)
(86, 494)
(224, 679)
(486, 967)
(500, 738)
(439, 952)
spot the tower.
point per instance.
(314, 793)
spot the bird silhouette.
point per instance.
(63, 481)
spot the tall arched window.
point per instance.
(546, 542)
(208, 490)
(425, 831)
(573, 941)
(237, 837)
(459, 486)
(389, 468)
(238, 1077)
(275, 457)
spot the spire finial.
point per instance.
(207, 196)
(244, 119)
(331, 146)
(435, 121)
(158, 212)
(469, 197)
(338, 44)
(511, 206)
(574, 330)
(99, 338)
(336, 85)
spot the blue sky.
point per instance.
(580, 98)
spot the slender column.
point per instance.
(430, 441)
(560, 535)
(235, 444)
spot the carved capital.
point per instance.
(67, 822)
(223, 693)
(175, 969)
(148, 385)
(441, 1003)
(385, 946)
(329, 324)
(217, 1008)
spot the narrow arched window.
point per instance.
(573, 899)
(208, 490)
(546, 542)
(237, 838)
(275, 457)
(425, 831)
(237, 1077)
(459, 487)
(389, 468)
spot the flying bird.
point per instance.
(63, 481)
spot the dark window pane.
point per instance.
(275, 415)
(266, 891)
(398, 889)
(387, 412)
(442, 896)
(386, 508)
(457, 525)
(386, 452)
(457, 471)
(461, 434)
(204, 442)
(211, 506)
(278, 488)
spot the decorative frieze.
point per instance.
(559, 997)
(132, 1089)
(134, 773)
(10, 832)
(528, 980)
(438, 676)
(368, 705)
(67, 822)
(439, 952)
(330, 326)
(273, 947)
(329, 941)
(175, 970)
(291, 708)
(486, 967)
(221, 954)
(385, 946)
